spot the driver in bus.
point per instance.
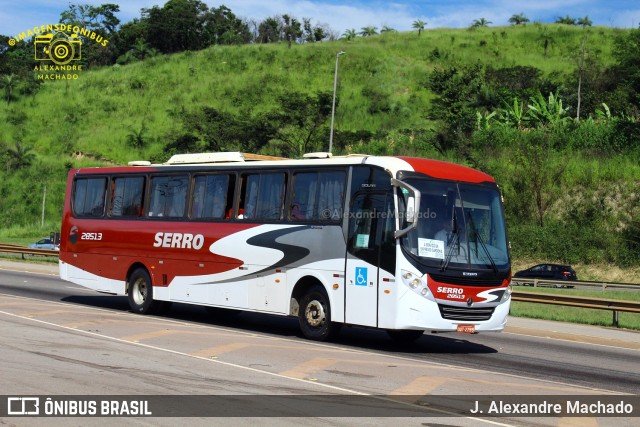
(443, 225)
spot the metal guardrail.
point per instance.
(544, 283)
(615, 306)
(17, 249)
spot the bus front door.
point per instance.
(368, 216)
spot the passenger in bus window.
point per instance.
(219, 197)
(299, 208)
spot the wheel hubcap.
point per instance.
(314, 313)
(139, 291)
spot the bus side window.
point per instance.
(168, 196)
(126, 196)
(210, 196)
(317, 196)
(262, 196)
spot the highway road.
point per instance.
(85, 343)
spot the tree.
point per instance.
(584, 22)
(458, 89)
(419, 25)
(350, 34)
(269, 30)
(567, 20)
(209, 129)
(480, 23)
(291, 30)
(137, 138)
(20, 156)
(313, 33)
(138, 52)
(546, 39)
(177, 26)
(9, 82)
(97, 18)
(299, 120)
(387, 29)
(518, 19)
(536, 174)
(103, 22)
(368, 31)
(222, 27)
(624, 75)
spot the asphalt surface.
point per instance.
(59, 338)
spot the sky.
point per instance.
(17, 16)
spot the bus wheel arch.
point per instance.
(140, 291)
(311, 303)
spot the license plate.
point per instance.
(466, 329)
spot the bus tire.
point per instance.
(140, 294)
(315, 315)
(404, 335)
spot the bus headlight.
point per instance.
(416, 284)
(507, 294)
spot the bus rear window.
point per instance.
(88, 197)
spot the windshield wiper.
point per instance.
(484, 246)
(452, 244)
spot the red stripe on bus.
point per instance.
(445, 170)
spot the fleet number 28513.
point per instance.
(91, 236)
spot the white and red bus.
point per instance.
(399, 243)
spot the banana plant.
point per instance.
(604, 114)
(549, 112)
(513, 115)
(483, 120)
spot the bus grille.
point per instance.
(466, 281)
(467, 314)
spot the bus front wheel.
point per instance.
(315, 315)
(140, 293)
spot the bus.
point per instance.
(402, 244)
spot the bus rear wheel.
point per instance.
(315, 315)
(140, 294)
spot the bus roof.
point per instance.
(238, 161)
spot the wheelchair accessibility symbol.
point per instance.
(361, 276)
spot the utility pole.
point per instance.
(333, 106)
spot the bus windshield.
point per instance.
(459, 226)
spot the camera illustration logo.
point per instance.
(60, 48)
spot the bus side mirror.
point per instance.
(412, 208)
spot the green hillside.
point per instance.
(273, 99)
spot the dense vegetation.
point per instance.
(503, 99)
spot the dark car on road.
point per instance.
(548, 272)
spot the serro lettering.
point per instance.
(178, 240)
(445, 290)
